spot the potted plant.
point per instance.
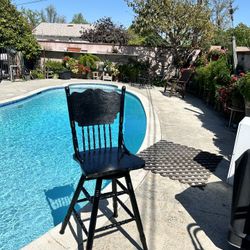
(58, 69)
(244, 87)
(114, 71)
(84, 71)
(71, 65)
(89, 61)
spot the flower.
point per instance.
(224, 94)
(75, 70)
(66, 58)
(81, 68)
(87, 69)
(234, 78)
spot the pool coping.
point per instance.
(52, 239)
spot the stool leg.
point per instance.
(136, 211)
(114, 189)
(72, 204)
(94, 214)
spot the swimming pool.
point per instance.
(36, 165)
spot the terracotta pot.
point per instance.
(215, 57)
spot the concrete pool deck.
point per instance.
(174, 215)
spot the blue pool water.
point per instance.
(37, 173)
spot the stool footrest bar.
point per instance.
(103, 196)
(116, 224)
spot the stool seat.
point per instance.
(106, 162)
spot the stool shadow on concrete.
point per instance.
(210, 208)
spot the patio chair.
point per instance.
(95, 75)
(179, 85)
(106, 77)
(103, 157)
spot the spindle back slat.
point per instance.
(83, 139)
(93, 131)
(110, 136)
(89, 145)
(104, 134)
(99, 136)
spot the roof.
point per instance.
(60, 29)
(243, 49)
(239, 49)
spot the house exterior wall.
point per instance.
(56, 50)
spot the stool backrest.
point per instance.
(95, 110)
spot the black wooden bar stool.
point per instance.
(101, 155)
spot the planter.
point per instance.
(65, 75)
(247, 108)
(238, 103)
(77, 75)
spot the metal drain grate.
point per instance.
(182, 163)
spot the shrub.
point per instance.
(37, 74)
(89, 60)
(133, 69)
(211, 77)
(201, 61)
(71, 64)
(220, 72)
(244, 86)
(54, 66)
(216, 54)
(202, 77)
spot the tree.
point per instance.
(242, 34)
(183, 25)
(78, 18)
(134, 38)
(147, 39)
(15, 31)
(224, 37)
(33, 17)
(105, 31)
(220, 14)
(50, 15)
